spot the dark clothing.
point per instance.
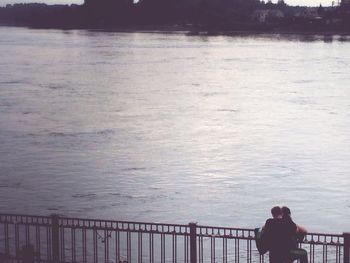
(298, 253)
(291, 229)
(280, 238)
(260, 240)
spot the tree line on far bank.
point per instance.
(196, 14)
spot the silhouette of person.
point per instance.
(278, 235)
(297, 234)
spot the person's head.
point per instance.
(285, 212)
(276, 212)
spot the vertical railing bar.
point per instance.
(336, 254)
(212, 245)
(54, 238)
(26, 229)
(109, 234)
(202, 249)
(238, 250)
(175, 248)
(346, 247)
(48, 246)
(105, 242)
(235, 249)
(37, 244)
(95, 245)
(7, 238)
(73, 244)
(199, 249)
(151, 248)
(117, 246)
(188, 248)
(312, 252)
(310, 256)
(16, 239)
(223, 250)
(128, 249)
(193, 242)
(235, 246)
(247, 251)
(162, 247)
(250, 250)
(338, 248)
(63, 245)
(140, 247)
(185, 249)
(84, 244)
(226, 255)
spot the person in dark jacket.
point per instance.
(298, 234)
(278, 235)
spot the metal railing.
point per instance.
(60, 239)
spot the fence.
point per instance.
(59, 239)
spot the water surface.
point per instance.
(175, 128)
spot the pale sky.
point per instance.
(290, 2)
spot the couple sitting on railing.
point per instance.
(280, 236)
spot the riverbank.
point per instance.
(194, 31)
(250, 17)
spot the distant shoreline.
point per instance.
(186, 30)
(204, 18)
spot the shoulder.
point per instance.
(289, 222)
(293, 227)
(272, 223)
(301, 229)
(269, 221)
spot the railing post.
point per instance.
(55, 238)
(28, 254)
(346, 247)
(193, 242)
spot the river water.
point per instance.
(165, 127)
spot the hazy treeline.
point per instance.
(97, 13)
(206, 14)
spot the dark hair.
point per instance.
(276, 211)
(286, 212)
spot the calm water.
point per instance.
(175, 128)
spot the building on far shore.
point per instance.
(311, 13)
(267, 15)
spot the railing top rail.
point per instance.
(76, 219)
(25, 219)
(24, 216)
(225, 228)
(252, 230)
(324, 234)
(63, 218)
